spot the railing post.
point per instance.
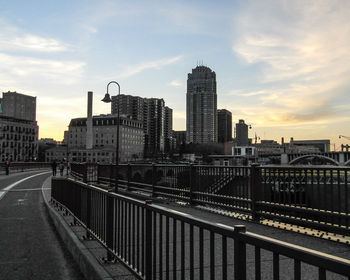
(85, 171)
(154, 175)
(128, 173)
(240, 259)
(255, 190)
(98, 173)
(192, 182)
(109, 227)
(148, 244)
(88, 212)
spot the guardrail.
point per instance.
(156, 243)
(316, 197)
(23, 166)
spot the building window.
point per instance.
(237, 151)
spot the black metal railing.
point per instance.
(316, 197)
(156, 243)
(23, 166)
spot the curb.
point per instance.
(88, 264)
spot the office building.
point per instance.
(18, 106)
(18, 128)
(104, 132)
(224, 126)
(241, 133)
(155, 117)
(201, 106)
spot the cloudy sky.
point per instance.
(282, 66)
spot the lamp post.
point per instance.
(107, 99)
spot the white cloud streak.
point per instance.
(157, 64)
(13, 39)
(30, 68)
(177, 84)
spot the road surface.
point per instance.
(29, 245)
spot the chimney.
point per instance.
(89, 135)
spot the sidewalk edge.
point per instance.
(88, 264)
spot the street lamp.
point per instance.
(107, 99)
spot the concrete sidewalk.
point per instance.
(89, 254)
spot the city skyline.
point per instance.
(282, 66)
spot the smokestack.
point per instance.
(89, 135)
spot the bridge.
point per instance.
(162, 222)
(328, 158)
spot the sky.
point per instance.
(283, 66)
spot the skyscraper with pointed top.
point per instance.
(201, 106)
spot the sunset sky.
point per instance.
(282, 66)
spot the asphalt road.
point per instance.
(29, 246)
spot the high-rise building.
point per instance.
(224, 126)
(201, 106)
(19, 106)
(130, 105)
(168, 129)
(155, 117)
(242, 133)
(18, 127)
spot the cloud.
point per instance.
(302, 49)
(13, 39)
(177, 84)
(26, 69)
(157, 64)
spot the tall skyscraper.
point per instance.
(201, 106)
(242, 133)
(224, 126)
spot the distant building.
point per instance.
(180, 137)
(322, 146)
(224, 126)
(155, 117)
(18, 139)
(45, 144)
(168, 130)
(104, 131)
(18, 127)
(18, 106)
(201, 106)
(269, 147)
(241, 133)
(58, 154)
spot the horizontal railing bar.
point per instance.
(302, 209)
(309, 256)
